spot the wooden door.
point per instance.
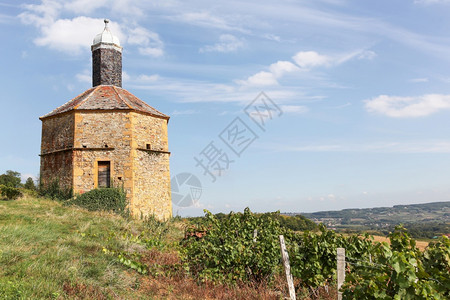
(104, 174)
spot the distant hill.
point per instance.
(422, 220)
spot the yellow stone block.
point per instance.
(78, 172)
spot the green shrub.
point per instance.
(10, 193)
(31, 193)
(313, 256)
(109, 199)
(225, 250)
(54, 191)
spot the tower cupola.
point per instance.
(106, 59)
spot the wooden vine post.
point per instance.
(287, 268)
(255, 234)
(340, 270)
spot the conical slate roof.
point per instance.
(106, 97)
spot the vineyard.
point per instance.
(243, 247)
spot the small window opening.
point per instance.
(104, 174)
(148, 146)
(106, 145)
(84, 146)
(120, 177)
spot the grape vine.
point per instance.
(228, 251)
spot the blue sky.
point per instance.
(363, 86)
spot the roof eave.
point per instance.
(162, 116)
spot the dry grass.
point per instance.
(171, 282)
(420, 244)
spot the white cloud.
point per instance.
(403, 107)
(147, 78)
(308, 59)
(41, 14)
(74, 35)
(227, 43)
(367, 54)
(419, 80)
(331, 197)
(127, 7)
(280, 68)
(359, 54)
(305, 60)
(148, 40)
(69, 35)
(294, 109)
(340, 106)
(184, 112)
(272, 37)
(205, 19)
(427, 146)
(84, 6)
(262, 78)
(427, 2)
(149, 51)
(84, 76)
(125, 76)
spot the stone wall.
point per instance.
(150, 130)
(56, 158)
(152, 185)
(57, 133)
(102, 136)
(57, 166)
(151, 170)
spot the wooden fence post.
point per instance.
(287, 268)
(340, 270)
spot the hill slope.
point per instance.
(49, 251)
(422, 220)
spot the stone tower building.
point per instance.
(106, 137)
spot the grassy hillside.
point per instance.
(50, 251)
